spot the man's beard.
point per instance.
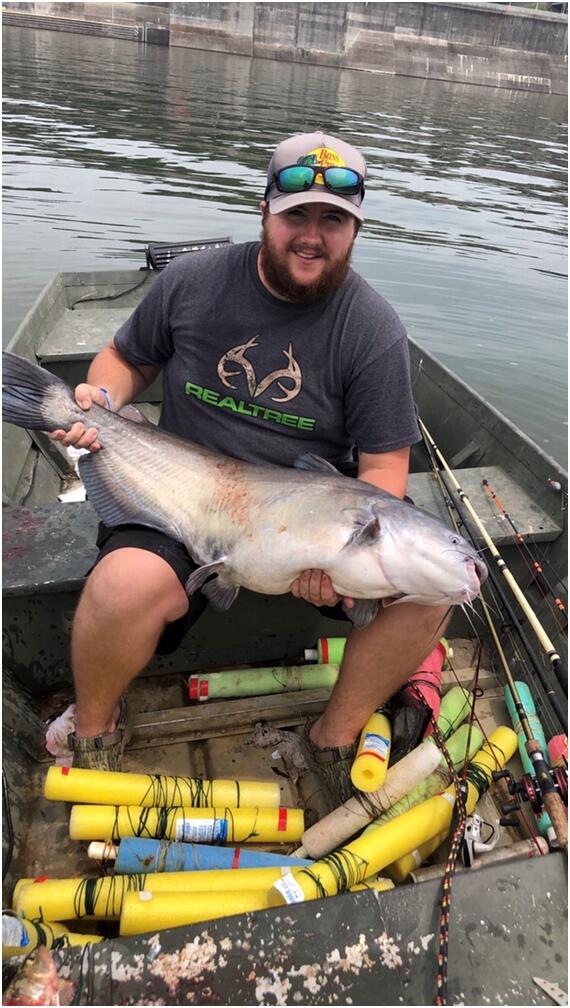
(278, 275)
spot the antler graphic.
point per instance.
(237, 355)
(291, 372)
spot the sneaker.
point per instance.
(102, 752)
(333, 765)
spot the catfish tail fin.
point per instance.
(34, 398)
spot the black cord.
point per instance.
(9, 825)
(86, 977)
(112, 297)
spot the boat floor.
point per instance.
(508, 921)
(219, 739)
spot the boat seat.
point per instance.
(52, 549)
(527, 515)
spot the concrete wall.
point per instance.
(482, 43)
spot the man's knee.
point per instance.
(128, 583)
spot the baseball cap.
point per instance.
(317, 150)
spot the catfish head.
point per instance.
(413, 557)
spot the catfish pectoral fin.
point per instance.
(362, 613)
(366, 531)
(197, 578)
(220, 595)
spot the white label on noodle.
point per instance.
(376, 744)
(202, 830)
(290, 889)
(13, 932)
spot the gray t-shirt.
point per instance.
(263, 380)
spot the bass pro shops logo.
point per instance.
(323, 157)
(291, 374)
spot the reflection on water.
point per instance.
(108, 144)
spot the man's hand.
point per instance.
(316, 587)
(80, 435)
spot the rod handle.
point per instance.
(558, 817)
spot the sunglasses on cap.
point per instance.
(300, 178)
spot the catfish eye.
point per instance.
(455, 540)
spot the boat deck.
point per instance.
(509, 919)
(365, 948)
(223, 739)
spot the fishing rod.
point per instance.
(537, 570)
(547, 792)
(558, 666)
(558, 708)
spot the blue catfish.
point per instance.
(253, 526)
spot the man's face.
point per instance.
(305, 252)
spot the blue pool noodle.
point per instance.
(136, 856)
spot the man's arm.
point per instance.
(386, 470)
(123, 382)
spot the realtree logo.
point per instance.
(290, 373)
(248, 409)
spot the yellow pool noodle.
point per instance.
(216, 880)
(148, 911)
(102, 787)
(18, 888)
(380, 884)
(46, 933)
(400, 869)
(370, 766)
(68, 898)
(209, 825)
(371, 853)
(75, 898)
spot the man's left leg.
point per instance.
(377, 661)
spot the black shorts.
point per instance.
(141, 537)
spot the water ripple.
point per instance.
(108, 145)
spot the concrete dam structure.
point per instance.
(492, 44)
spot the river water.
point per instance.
(109, 145)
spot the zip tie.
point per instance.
(108, 400)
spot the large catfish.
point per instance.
(253, 526)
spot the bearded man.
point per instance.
(268, 350)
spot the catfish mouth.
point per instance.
(477, 574)
(479, 569)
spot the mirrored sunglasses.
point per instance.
(300, 178)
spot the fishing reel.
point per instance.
(472, 843)
(528, 789)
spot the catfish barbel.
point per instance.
(253, 526)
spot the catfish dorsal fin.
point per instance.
(316, 464)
